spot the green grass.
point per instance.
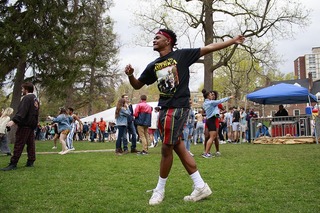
(247, 178)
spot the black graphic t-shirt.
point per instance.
(171, 72)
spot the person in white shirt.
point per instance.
(4, 119)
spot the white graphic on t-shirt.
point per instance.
(168, 80)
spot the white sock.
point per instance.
(197, 180)
(161, 184)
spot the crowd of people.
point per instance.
(232, 125)
(171, 73)
(137, 125)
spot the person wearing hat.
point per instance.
(262, 130)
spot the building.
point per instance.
(300, 68)
(309, 63)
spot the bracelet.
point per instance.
(130, 74)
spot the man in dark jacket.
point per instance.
(251, 114)
(26, 119)
(282, 111)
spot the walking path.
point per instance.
(79, 151)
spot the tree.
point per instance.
(150, 91)
(261, 21)
(68, 47)
(241, 76)
(238, 77)
(88, 66)
(100, 45)
(29, 31)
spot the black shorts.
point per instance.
(211, 124)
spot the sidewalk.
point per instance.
(79, 151)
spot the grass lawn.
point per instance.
(246, 178)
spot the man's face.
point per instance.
(24, 91)
(159, 42)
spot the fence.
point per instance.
(284, 126)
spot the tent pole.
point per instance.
(315, 128)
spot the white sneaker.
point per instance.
(72, 149)
(218, 154)
(199, 193)
(54, 147)
(65, 152)
(157, 197)
(191, 153)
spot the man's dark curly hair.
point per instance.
(172, 35)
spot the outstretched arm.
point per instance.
(135, 83)
(218, 46)
(75, 117)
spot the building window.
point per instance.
(296, 112)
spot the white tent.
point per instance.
(108, 115)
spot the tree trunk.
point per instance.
(91, 89)
(208, 59)
(16, 94)
(70, 98)
(18, 80)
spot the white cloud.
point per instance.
(304, 40)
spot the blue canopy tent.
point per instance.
(282, 94)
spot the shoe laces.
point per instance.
(155, 192)
(150, 190)
(195, 190)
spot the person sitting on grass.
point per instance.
(262, 130)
